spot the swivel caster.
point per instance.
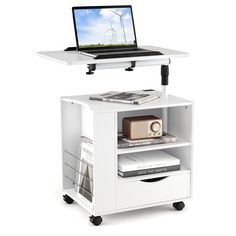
(68, 199)
(179, 205)
(96, 220)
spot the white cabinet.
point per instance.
(101, 122)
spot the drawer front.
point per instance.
(139, 193)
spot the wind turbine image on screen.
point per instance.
(113, 34)
(104, 27)
(121, 23)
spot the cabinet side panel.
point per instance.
(184, 154)
(105, 173)
(180, 121)
(71, 136)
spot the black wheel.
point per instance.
(68, 199)
(96, 220)
(179, 205)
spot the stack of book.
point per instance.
(144, 163)
(124, 142)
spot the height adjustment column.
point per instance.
(164, 79)
(164, 95)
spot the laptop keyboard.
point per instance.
(128, 54)
(115, 50)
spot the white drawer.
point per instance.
(139, 193)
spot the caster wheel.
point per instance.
(68, 199)
(179, 205)
(96, 220)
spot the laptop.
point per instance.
(104, 32)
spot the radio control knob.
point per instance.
(155, 126)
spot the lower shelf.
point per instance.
(183, 170)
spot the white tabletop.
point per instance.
(75, 58)
(104, 107)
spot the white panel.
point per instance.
(140, 193)
(185, 156)
(87, 122)
(180, 121)
(71, 126)
(105, 167)
(182, 153)
(71, 132)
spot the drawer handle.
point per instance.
(154, 179)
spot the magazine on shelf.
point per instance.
(144, 163)
(85, 174)
(133, 97)
(124, 142)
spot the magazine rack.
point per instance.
(100, 122)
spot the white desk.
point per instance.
(75, 58)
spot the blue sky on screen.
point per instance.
(103, 26)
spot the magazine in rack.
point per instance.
(85, 174)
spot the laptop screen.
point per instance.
(104, 27)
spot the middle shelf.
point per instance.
(180, 143)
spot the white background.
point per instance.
(30, 87)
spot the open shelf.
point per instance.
(183, 170)
(179, 143)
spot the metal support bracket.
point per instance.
(91, 69)
(129, 65)
(131, 68)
